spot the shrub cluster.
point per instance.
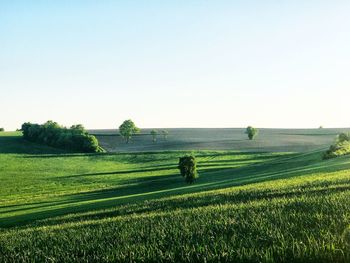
(339, 148)
(2, 129)
(51, 133)
(188, 168)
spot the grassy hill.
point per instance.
(246, 206)
(271, 140)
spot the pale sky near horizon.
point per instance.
(175, 63)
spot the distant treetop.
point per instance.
(128, 129)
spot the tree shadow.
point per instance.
(150, 187)
(203, 166)
(143, 170)
(17, 145)
(192, 202)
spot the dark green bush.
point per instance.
(343, 137)
(51, 133)
(188, 168)
(339, 148)
(2, 129)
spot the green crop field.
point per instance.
(269, 200)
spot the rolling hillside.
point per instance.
(246, 206)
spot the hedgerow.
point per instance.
(52, 134)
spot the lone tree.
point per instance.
(165, 134)
(154, 134)
(128, 129)
(2, 129)
(252, 132)
(188, 168)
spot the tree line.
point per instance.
(128, 129)
(187, 164)
(75, 138)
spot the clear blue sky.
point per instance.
(175, 63)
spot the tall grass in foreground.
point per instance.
(294, 220)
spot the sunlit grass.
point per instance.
(248, 207)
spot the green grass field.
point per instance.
(247, 206)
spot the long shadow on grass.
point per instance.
(149, 188)
(17, 145)
(138, 157)
(146, 170)
(203, 166)
(104, 198)
(238, 197)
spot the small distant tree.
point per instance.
(154, 134)
(252, 132)
(165, 134)
(321, 127)
(188, 168)
(2, 129)
(128, 129)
